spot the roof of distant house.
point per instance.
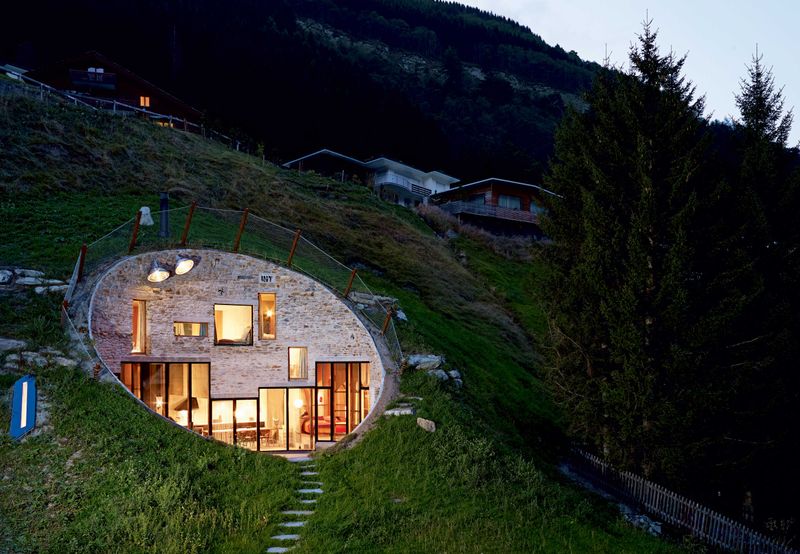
(378, 164)
(327, 152)
(497, 179)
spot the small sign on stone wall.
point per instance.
(267, 278)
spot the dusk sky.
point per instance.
(719, 38)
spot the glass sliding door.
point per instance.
(353, 396)
(272, 419)
(365, 369)
(154, 387)
(178, 401)
(301, 419)
(324, 404)
(341, 398)
(245, 426)
(200, 405)
(222, 420)
(339, 422)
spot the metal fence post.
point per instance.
(350, 283)
(241, 229)
(81, 262)
(135, 231)
(294, 247)
(188, 223)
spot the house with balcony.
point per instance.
(393, 181)
(498, 205)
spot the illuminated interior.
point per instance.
(182, 329)
(298, 362)
(139, 327)
(341, 397)
(266, 315)
(233, 324)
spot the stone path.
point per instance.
(297, 518)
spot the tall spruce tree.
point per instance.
(769, 185)
(646, 277)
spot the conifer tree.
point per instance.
(640, 267)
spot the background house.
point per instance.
(393, 181)
(497, 205)
(94, 75)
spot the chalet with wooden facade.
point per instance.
(94, 76)
(497, 205)
(393, 181)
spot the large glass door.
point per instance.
(286, 419)
(341, 398)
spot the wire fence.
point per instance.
(677, 510)
(246, 233)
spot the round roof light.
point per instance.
(183, 264)
(157, 272)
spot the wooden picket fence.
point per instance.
(704, 523)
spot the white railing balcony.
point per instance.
(408, 184)
(461, 207)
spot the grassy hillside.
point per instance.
(481, 483)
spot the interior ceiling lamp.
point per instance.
(183, 264)
(157, 272)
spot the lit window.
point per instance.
(233, 324)
(190, 329)
(298, 362)
(511, 202)
(266, 315)
(144, 101)
(139, 330)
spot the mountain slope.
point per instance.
(482, 482)
(435, 84)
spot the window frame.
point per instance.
(142, 324)
(216, 339)
(201, 323)
(289, 359)
(274, 316)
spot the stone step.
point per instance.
(277, 549)
(309, 491)
(309, 473)
(286, 537)
(299, 459)
(297, 512)
(308, 500)
(292, 524)
(320, 483)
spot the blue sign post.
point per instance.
(23, 409)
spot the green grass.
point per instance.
(405, 490)
(483, 482)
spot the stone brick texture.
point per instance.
(308, 314)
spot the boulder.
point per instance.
(425, 362)
(64, 362)
(28, 273)
(37, 281)
(439, 374)
(5, 276)
(426, 424)
(454, 374)
(405, 410)
(458, 383)
(401, 315)
(52, 289)
(11, 344)
(34, 359)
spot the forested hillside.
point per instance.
(480, 93)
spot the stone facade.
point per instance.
(308, 314)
